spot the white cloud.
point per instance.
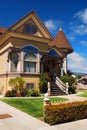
(53, 25)
(84, 43)
(77, 63)
(71, 38)
(81, 29)
(50, 24)
(79, 24)
(82, 15)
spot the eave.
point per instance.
(7, 35)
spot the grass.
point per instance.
(84, 94)
(31, 106)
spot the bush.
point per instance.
(10, 93)
(68, 79)
(33, 93)
(61, 113)
(24, 93)
(43, 87)
(71, 81)
(18, 95)
(44, 79)
(72, 89)
(17, 84)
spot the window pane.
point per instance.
(29, 86)
(14, 62)
(14, 58)
(29, 66)
(30, 28)
(29, 56)
(32, 67)
(13, 67)
(26, 67)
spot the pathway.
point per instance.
(23, 121)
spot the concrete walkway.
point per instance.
(19, 120)
(22, 121)
(74, 97)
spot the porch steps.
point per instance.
(55, 90)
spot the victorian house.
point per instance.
(27, 49)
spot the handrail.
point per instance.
(61, 85)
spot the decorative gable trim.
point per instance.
(36, 20)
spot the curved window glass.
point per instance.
(31, 48)
(29, 56)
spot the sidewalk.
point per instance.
(19, 120)
(74, 97)
(22, 121)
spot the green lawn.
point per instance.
(32, 106)
(84, 94)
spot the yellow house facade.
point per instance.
(27, 49)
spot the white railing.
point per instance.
(61, 85)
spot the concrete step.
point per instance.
(55, 90)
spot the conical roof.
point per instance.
(61, 42)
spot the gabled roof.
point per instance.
(32, 15)
(57, 50)
(61, 42)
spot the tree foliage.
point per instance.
(17, 84)
(43, 82)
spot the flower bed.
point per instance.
(65, 112)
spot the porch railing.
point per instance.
(61, 85)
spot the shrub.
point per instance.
(33, 93)
(43, 87)
(68, 79)
(61, 113)
(10, 93)
(72, 89)
(43, 82)
(18, 95)
(17, 84)
(24, 93)
(71, 81)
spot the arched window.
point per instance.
(29, 62)
(30, 48)
(30, 28)
(29, 57)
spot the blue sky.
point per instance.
(70, 14)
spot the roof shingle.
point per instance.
(2, 30)
(61, 42)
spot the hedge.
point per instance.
(66, 112)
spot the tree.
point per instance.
(44, 79)
(17, 84)
(71, 80)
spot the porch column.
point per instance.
(19, 64)
(21, 61)
(65, 65)
(38, 64)
(42, 68)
